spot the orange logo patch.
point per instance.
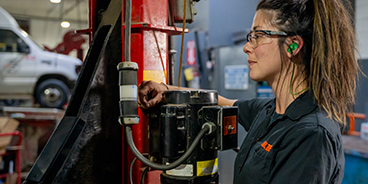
(266, 146)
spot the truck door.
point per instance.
(17, 65)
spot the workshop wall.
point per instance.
(227, 18)
(50, 33)
(361, 105)
(361, 7)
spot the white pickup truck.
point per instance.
(28, 71)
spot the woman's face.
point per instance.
(263, 51)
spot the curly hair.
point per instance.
(329, 55)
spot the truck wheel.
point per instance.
(52, 93)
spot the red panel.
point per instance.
(137, 11)
(153, 177)
(229, 121)
(155, 50)
(150, 11)
(137, 52)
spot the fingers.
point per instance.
(143, 92)
(149, 94)
(155, 100)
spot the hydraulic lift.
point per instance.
(90, 146)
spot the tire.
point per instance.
(52, 93)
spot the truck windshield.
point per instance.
(25, 34)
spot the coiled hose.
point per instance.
(128, 129)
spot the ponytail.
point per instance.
(334, 65)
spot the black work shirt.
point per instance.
(301, 146)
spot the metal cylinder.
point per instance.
(128, 92)
(169, 140)
(180, 121)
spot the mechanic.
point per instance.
(306, 51)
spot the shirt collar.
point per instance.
(302, 105)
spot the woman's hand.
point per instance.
(150, 93)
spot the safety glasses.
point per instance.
(260, 37)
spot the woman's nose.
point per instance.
(247, 48)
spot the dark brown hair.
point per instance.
(328, 57)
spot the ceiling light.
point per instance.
(65, 24)
(55, 1)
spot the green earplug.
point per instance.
(292, 47)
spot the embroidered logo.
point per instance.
(266, 146)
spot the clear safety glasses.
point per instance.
(260, 37)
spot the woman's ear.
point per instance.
(294, 45)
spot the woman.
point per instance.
(306, 51)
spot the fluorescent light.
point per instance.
(65, 24)
(55, 1)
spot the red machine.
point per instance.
(71, 41)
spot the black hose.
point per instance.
(143, 175)
(144, 160)
(131, 171)
(131, 168)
